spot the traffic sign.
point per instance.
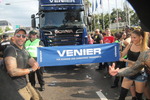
(17, 26)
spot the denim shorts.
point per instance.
(142, 77)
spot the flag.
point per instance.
(96, 5)
(93, 7)
(101, 3)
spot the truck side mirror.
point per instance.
(33, 21)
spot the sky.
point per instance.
(19, 11)
(107, 5)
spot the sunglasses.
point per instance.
(19, 35)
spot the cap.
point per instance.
(17, 30)
(33, 32)
(5, 36)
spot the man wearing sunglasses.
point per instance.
(31, 46)
(16, 59)
(4, 43)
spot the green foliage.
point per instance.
(1, 31)
(7, 29)
(125, 15)
(113, 31)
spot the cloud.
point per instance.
(19, 13)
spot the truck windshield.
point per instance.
(60, 19)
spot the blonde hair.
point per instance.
(144, 42)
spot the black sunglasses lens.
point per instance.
(24, 36)
(19, 35)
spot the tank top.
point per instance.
(133, 56)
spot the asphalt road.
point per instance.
(81, 82)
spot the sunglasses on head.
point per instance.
(19, 35)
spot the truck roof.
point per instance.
(57, 2)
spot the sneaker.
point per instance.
(42, 88)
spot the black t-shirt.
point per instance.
(97, 38)
(22, 57)
(133, 56)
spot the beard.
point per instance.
(19, 43)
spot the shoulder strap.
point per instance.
(14, 49)
(129, 46)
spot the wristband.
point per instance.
(31, 70)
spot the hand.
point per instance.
(40, 46)
(35, 66)
(121, 59)
(112, 70)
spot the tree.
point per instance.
(7, 29)
(123, 16)
(134, 20)
(1, 31)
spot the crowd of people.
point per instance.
(132, 43)
(19, 54)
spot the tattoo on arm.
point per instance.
(31, 61)
(146, 57)
(11, 65)
(13, 70)
(136, 67)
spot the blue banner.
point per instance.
(78, 54)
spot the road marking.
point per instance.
(101, 95)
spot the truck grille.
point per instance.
(61, 39)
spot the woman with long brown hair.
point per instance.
(139, 44)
